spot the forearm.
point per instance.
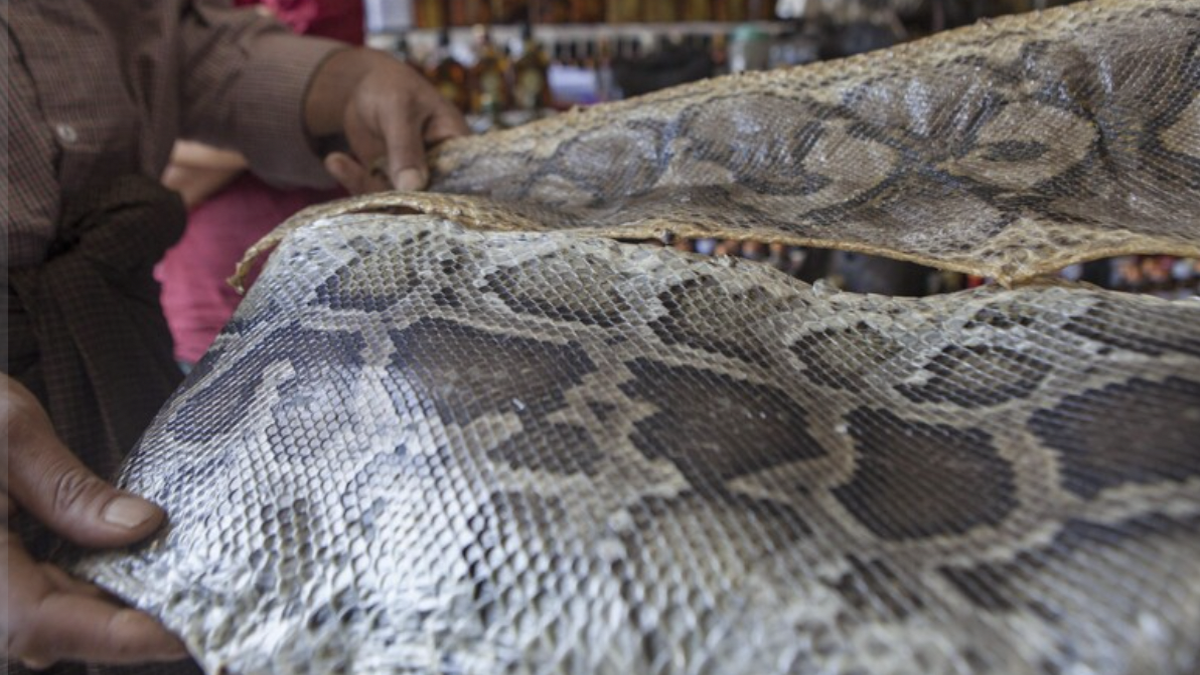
(244, 84)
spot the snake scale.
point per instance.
(470, 431)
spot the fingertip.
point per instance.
(410, 179)
(132, 513)
(347, 172)
(143, 634)
(67, 626)
(335, 164)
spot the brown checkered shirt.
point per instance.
(101, 88)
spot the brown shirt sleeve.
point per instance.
(245, 77)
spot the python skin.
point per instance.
(469, 431)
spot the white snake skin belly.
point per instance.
(488, 438)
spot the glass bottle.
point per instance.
(508, 11)
(531, 89)
(489, 86)
(431, 14)
(624, 11)
(697, 10)
(470, 12)
(659, 12)
(730, 10)
(405, 54)
(587, 11)
(448, 75)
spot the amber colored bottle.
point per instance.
(470, 12)
(448, 75)
(730, 10)
(760, 10)
(431, 14)
(489, 85)
(720, 53)
(587, 11)
(550, 11)
(456, 12)
(531, 89)
(508, 11)
(624, 11)
(480, 11)
(659, 11)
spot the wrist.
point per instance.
(333, 85)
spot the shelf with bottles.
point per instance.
(436, 14)
(419, 44)
(579, 64)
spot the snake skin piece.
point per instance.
(422, 448)
(1009, 149)
(491, 439)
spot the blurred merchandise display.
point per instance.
(584, 52)
(921, 16)
(434, 14)
(448, 74)
(1162, 275)
(430, 14)
(489, 80)
(530, 84)
(750, 49)
(622, 11)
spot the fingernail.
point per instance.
(168, 647)
(128, 512)
(409, 179)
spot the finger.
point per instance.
(366, 140)
(353, 176)
(44, 623)
(81, 628)
(46, 479)
(403, 136)
(444, 123)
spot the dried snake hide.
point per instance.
(1009, 149)
(429, 445)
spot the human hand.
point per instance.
(196, 184)
(198, 171)
(48, 615)
(388, 113)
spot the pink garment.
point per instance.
(343, 20)
(195, 298)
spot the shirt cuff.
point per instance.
(270, 96)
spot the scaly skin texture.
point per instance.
(484, 437)
(421, 448)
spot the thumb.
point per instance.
(46, 479)
(405, 152)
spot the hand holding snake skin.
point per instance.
(486, 437)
